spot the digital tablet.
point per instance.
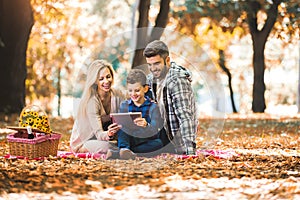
(126, 119)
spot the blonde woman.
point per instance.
(89, 133)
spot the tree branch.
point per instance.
(252, 10)
(161, 20)
(144, 6)
(272, 17)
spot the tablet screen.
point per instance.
(126, 119)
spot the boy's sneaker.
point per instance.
(127, 154)
(112, 154)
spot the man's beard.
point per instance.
(163, 73)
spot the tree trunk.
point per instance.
(16, 21)
(142, 36)
(226, 70)
(58, 87)
(259, 38)
(298, 99)
(258, 104)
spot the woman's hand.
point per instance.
(140, 122)
(113, 129)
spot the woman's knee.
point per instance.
(96, 146)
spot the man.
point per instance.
(171, 88)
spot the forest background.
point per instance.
(67, 35)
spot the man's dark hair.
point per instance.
(155, 48)
(136, 76)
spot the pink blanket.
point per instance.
(219, 154)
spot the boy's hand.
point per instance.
(140, 122)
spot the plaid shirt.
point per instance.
(150, 112)
(180, 110)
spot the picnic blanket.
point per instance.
(218, 154)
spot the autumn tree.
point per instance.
(37, 46)
(56, 43)
(259, 17)
(16, 21)
(218, 40)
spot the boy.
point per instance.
(145, 139)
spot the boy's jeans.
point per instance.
(130, 142)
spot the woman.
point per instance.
(98, 100)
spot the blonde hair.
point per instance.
(90, 88)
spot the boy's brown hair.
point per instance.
(136, 76)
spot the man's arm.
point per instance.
(183, 105)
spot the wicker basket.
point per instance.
(41, 146)
(44, 143)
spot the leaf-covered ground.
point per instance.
(268, 167)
